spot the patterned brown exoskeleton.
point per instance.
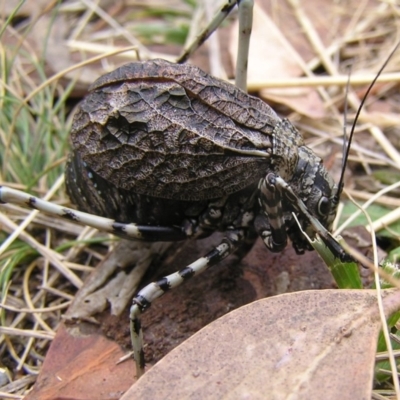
(176, 154)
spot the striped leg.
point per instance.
(154, 290)
(245, 24)
(270, 225)
(333, 245)
(129, 231)
(204, 35)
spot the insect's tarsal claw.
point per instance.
(337, 250)
(345, 257)
(141, 363)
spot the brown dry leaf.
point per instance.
(332, 21)
(272, 56)
(82, 364)
(58, 55)
(277, 348)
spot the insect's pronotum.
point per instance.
(163, 151)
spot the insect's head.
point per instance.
(317, 195)
(313, 196)
(323, 199)
(315, 213)
(316, 191)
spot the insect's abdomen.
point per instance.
(93, 194)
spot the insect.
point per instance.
(172, 153)
(163, 151)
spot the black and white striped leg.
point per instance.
(207, 31)
(132, 231)
(245, 8)
(270, 225)
(333, 245)
(148, 294)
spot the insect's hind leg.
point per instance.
(148, 294)
(124, 230)
(245, 8)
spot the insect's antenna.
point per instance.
(345, 145)
(346, 149)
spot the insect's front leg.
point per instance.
(148, 294)
(270, 223)
(285, 190)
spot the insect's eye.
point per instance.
(323, 206)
